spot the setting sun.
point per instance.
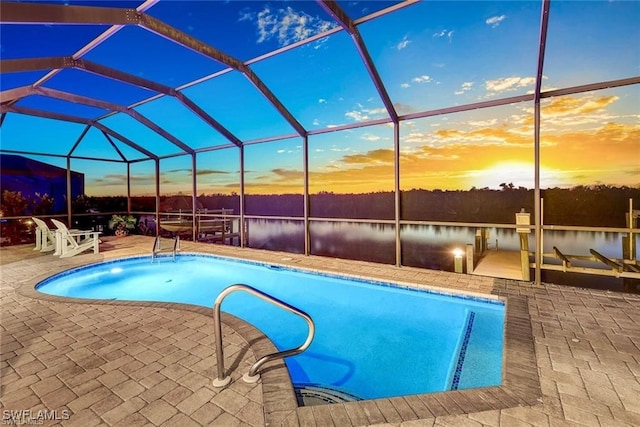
(520, 174)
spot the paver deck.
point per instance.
(572, 355)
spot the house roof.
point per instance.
(13, 165)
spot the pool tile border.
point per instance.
(520, 385)
(463, 352)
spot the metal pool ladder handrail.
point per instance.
(252, 376)
(157, 249)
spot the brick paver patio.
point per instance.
(572, 355)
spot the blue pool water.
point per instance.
(372, 340)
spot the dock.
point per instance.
(503, 264)
(483, 260)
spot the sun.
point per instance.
(518, 174)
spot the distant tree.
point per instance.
(42, 204)
(509, 186)
(13, 203)
(80, 204)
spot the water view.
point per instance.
(430, 246)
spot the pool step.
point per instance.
(313, 394)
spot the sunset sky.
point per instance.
(429, 55)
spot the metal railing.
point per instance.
(157, 247)
(252, 376)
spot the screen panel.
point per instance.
(141, 134)
(438, 54)
(473, 166)
(274, 178)
(324, 83)
(591, 41)
(170, 114)
(143, 186)
(233, 101)
(218, 179)
(590, 154)
(48, 136)
(351, 173)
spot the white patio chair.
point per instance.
(45, 237)
(72, 242)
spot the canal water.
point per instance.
(430, 246)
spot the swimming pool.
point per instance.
(372, 339)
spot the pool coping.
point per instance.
(520, 385)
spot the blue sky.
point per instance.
(429, 55)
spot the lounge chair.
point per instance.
(45, 237)
(72, 242)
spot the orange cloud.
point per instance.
(566, 105)
(288, 174)
(613, 146)
(276, 181)
(374, 156)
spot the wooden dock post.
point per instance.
(523, 221)
(246, 233)
(628, 247)
(629, 250)
(478, 243)
(481, 242)
(524, 256)
(629, 242)
(470, 261)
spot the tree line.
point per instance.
(599, 205)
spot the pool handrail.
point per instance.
(157, 247)
(253, 376)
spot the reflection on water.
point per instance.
(429, 246)
(276, 235)
(364, 242)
